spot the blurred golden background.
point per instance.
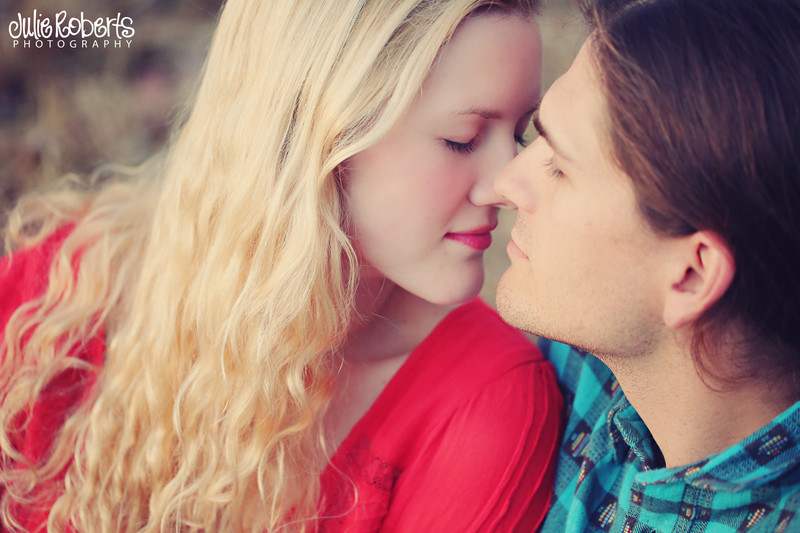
(72, 109)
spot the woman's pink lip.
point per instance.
(478, 241)
(513, 250)
(479, 238)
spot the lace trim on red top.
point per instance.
(363, 479)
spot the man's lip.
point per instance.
(514, 250)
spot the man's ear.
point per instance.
(704, 269)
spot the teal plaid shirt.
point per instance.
(608, 478)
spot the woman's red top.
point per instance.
(463, 438)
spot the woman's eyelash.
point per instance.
(468, 147)
(553, 169)
(461, 148)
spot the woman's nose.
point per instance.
(506, 185)
(484, 191)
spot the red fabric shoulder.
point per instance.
(463, 438)
(24, 273)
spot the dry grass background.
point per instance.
(69, 110)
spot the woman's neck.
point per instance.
(390, 321)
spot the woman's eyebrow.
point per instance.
(492, 113)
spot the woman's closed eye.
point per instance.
(461, 148)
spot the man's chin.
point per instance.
(511, 308)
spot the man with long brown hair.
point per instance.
(658, 229)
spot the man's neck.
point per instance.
(689, 418)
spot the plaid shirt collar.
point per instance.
(757, 460)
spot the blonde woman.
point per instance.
(265, 329)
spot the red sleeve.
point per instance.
(490, 466)
(24, 277)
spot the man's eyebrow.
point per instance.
(537, 123)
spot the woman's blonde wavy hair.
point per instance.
(222, 277)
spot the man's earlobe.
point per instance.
(706, 271)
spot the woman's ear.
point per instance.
(704, 269)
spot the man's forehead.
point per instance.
(573, 110)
